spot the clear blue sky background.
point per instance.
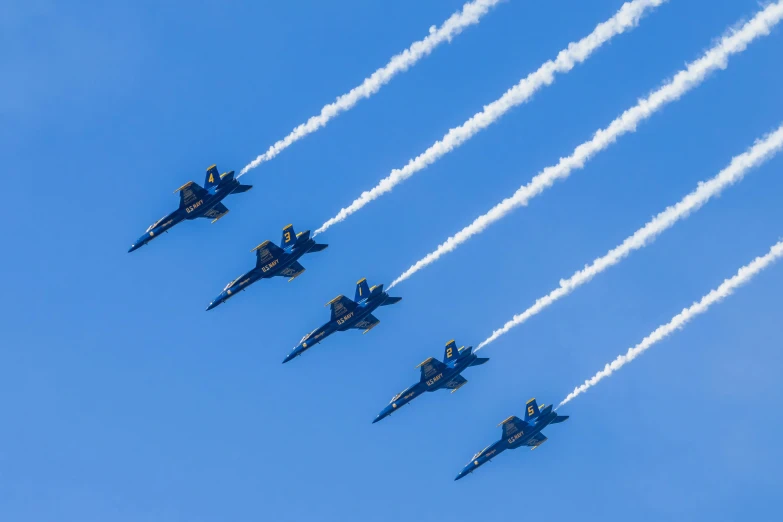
(123, 400)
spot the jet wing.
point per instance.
(190, 193)
(341, 307)
(367, 324)
(431, 367)
(293, 271)
(536, 440)
(216, 212)
(513, 426)
(456, 383)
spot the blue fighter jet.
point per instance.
(347, 314)
(436, 375)
(273, 260)
(516, 433)
(196, 202)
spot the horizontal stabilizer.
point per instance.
(241, 188)
(479, 360)
(391, 301)
(559, 418)
(318, 247)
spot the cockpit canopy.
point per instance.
(480, 453)
(232, 283)
(155, 224)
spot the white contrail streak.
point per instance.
(685, 80)
(626, 18)
(728, 286)
(471, 14)
(761, 151)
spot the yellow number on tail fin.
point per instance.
(287, 236)
(530, 411)
(211, 178)
(448, 353)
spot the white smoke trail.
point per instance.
(471, 14)
(728, 286)
(626, 18)
(739, 166)
(685, 80)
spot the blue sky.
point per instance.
(123, 400)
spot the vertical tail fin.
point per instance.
(289, 236)
(531, 410)
(213, 177)
(362, 290)
(451, 353)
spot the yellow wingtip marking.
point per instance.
(296, 275)
(183, 187)
(506, 420)
(221, 215)
(261, 245)
(211, 167)
(531, 400)
(287, 226)
(333, 300)
(452, 341)
(360, 280)
(422, 363)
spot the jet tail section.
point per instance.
(451, 352)
(362, 290)
(391, 301)
(559, 418)
(289, 236)
(213, 177)
(317, 247)
(479, 360)
(531, 410)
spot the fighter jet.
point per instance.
(517, 433)
(436, 375)
(273, 260)
(347, 314)
(196, 202)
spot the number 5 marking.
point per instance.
(530, 411)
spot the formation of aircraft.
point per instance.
(273, 260)
(516, 433)
(436, 375)
(346, 314)
(196, 201)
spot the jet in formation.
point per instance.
(196, 202)
(436, 375)
(273, 260)
(347, 314)
(516, 433)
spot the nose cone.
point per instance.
(294, 354)
(137, 245)
(384, 413)
(217, 301)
